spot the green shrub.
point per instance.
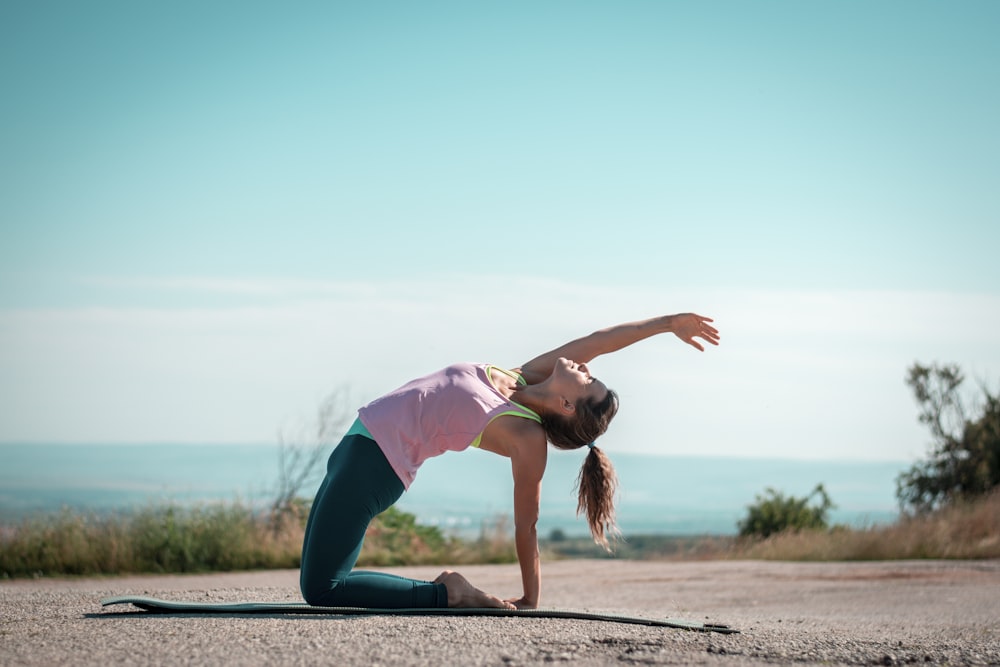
(395, 538)
(773, 512)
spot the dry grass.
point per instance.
(963, 530)
(966, 530)
(218, 537)
(155, 539)
(233, 537)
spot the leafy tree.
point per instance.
(964, 461)
(773, 512)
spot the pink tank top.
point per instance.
(444, 411)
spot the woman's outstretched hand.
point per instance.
(688, 326)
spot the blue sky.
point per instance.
(214, 213)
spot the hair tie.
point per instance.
(590, 444)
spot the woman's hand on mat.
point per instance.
(523, 603)
(463, 594)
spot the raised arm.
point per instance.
(686, 326)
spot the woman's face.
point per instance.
(574, 381)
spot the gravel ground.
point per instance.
(893, 613)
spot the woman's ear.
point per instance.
(567, 406)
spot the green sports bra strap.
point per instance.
(511, 374)
(527, 413)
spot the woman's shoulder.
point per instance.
(509, 435)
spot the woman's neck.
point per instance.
(532, 396)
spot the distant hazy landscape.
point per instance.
(456, 492)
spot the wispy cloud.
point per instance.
(272, 287)
(795, 367)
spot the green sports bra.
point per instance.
(524, 412)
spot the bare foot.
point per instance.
(463, 594)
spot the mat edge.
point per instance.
(159, 605)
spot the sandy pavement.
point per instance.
(912, 612)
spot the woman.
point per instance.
(513, 413)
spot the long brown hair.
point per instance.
(597, 482)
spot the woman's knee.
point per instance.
(319, 592)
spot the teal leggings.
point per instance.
(359, 484)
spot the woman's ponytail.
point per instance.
(596, 488)
(597, 483)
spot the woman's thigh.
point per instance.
(359, 485)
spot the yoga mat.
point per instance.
(157, 606)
